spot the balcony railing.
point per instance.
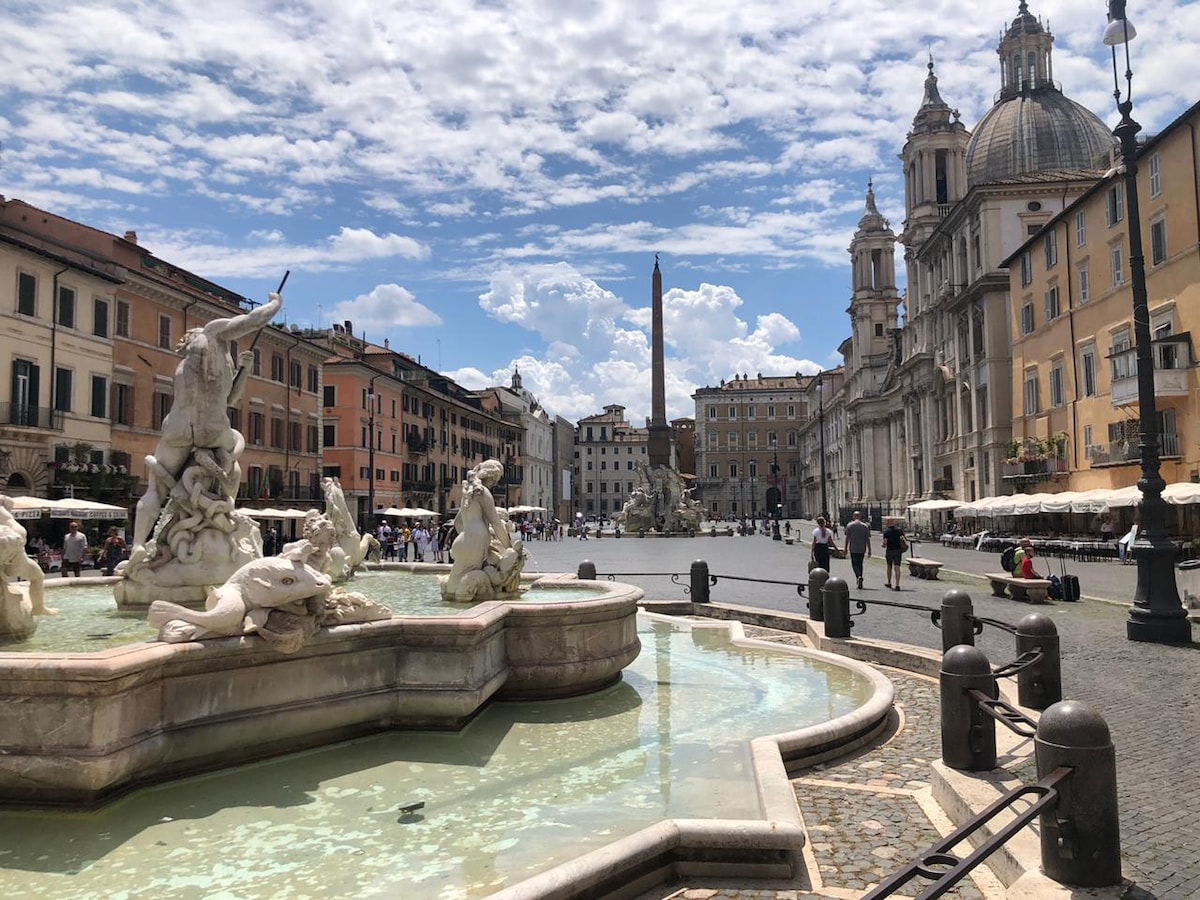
(1127, 450)
(31, 416)
(1172, 360)
(1036, 469)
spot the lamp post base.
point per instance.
(1157, 615)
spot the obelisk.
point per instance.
(660, 433)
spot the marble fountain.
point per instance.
(212, 722)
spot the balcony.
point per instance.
(31, 416)
(1172, 362)
(1126, 450)
(1035, 469)
(943, 485)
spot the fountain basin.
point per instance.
(76, 728)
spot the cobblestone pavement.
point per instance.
(1146, 692)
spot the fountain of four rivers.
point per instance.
(476, 733)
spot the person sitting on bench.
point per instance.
(1028, 571)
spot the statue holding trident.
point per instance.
(187, 533)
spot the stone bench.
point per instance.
(1032, 590)
(923, 568)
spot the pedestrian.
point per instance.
(74, 547)
(114, 550)
(268, 540)
(822, 542)
(858, 544)
(894, 545)
(787, 528)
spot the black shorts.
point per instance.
(894, 557)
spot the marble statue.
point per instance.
(187, 533)
(638, 512)
(281, 599)
(351, 548)
(688, 513)
(487, 558)
(18, 605)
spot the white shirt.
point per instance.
(822, 535)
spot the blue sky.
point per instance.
(486, 182)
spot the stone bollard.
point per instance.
(816, 603)
(968, 733)
(958, 626)
(1040, 685)
(836, 597)
(587, 571)
(1080, 835)
(699, 581)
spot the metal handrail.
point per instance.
(945, 869)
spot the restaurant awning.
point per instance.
(67, 508)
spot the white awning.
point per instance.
(67, 508)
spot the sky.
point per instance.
(486, 182)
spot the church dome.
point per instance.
(1039, 130)
(1033, 127)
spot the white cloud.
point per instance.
(384, 310)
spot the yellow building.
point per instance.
(57, 311)
(1074, 369)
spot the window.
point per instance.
(712, 412)
(26, 294)
(276, 367)
(1087, 365)
(164, 332)
(295, 375)
(121, 328)
(1080, 228)
(162, 406)
(1031, 394)
(770, 412)
(1056, 383)
(66, 307)
(733, 440)
(122, 404)
(256, 366)
(277, 432)
(752, 469)
(62, 389)
(235, 418)
(1027, 317)
(878, 329)
(295, 437)
(712, 472)
(314, 440)
(99, 317)
(750, 412)
(330, 395)
(1052, 311)
(314, 381)
(1085, 286)
(733, 470)
(256, 428)
(1026, 270)
(99, 396)
(330, 435)
(1114, 205)
(1155, 169)
(1050, 244)
(1122, 361)
(1158, 242)
(1118, 271)
(733, 412)
(712, 440)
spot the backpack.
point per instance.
(1008, 558)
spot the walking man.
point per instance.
(857, 544)
(74, 547)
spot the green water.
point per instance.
(524, 787)
(89, 620)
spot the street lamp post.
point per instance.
(775, 535)
(371, 453)
(821, 428)
(1157, 614)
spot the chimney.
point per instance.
(131, 236)
(349, 326)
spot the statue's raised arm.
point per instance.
(234, 327)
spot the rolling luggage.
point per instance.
(1070, 583)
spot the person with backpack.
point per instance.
(894, 545)
(822, 541)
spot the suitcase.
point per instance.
(1070, 583)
